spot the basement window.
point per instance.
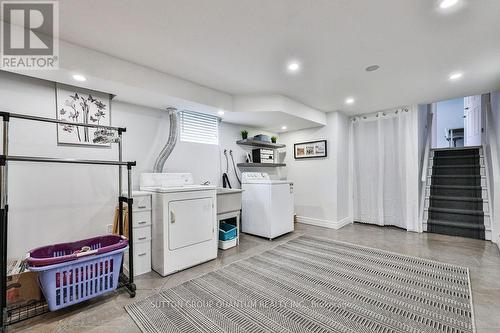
(199, 128)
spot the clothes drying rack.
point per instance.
(11, 315)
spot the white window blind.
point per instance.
(199, 128)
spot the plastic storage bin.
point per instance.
(68, 276)
(227, 231)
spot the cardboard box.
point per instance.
(22, 285)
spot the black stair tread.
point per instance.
(457, 148)
(456, 152)
(457, 156)
(462, 225)
(460, 215)
(456, 211)
(465, 187)
(457, 176)
(443, 197)
(457, 166)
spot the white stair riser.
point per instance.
(487, 222)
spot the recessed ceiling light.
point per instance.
(220, 113)
(372, 68)
(456, 76)
(349, 100)
(79, 77)
(283, 127)
(293, 66)
(445, 4)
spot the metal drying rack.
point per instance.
(11, 315)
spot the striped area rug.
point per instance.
(312, 284)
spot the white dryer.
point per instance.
(184, 228)
(267, 205)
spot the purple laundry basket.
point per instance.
(68, 276)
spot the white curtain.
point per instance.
(385, 168)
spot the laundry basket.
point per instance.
(68, 275)
(227, 231)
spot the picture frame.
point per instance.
(80, 105)
(311, 149)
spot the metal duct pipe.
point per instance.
(171, 142)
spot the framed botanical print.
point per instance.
(313, 149)
(79, 105)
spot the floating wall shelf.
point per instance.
(261, 144)
(260, 165)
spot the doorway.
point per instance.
(458, 123)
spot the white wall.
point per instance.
(322, 191)
(449, 115)
(52, 203)
(344, 195)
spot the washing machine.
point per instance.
(267, 205)
(184, 224)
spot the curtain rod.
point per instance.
(380, 114)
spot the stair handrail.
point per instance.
(427, 149)
(425, 165)
(491, 141)
(494, 165)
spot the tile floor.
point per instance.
(483, 258)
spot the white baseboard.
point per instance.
(325, 223)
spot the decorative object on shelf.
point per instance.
(274, 139)
(263, 155)
(262, 137)
(84, 106)
(244, 134)
(313, 149)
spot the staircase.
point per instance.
(456, 200)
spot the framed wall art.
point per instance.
(79, 105)
(313, 149)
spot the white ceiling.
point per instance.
(242, 46)
(270, 121)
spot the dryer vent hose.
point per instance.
(171, 142)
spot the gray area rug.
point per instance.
(312, 284)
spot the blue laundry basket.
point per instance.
(67, 283)
(227, 231)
